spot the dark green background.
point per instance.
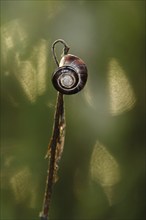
(96, 31)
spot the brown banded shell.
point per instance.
(71, 76)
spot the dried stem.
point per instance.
(65, 50)
(55, 147)
(58, 120)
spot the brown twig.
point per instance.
(58, 120)
(65, 49)
(55, 147)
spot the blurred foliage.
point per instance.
(102, 172)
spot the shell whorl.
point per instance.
(71, 76)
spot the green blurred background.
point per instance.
(102, 170)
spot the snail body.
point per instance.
(71, 75)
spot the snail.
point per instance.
(71, 75)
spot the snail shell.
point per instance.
(71, 76)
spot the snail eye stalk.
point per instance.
(69, 78)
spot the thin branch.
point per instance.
(56, 145)
(52, 168)
(65, 50)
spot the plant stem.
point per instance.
(52, 166)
